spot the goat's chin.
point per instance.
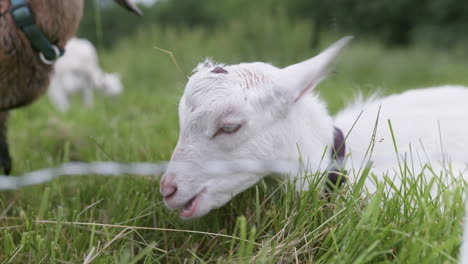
(215, 194)
(202, 210)
(205, 204)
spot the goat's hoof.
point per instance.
(5, 163)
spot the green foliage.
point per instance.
(123, 220)
(440, 23)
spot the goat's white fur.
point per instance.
(78, 71)
(282, 120)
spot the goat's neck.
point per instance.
(20, 85)
(58, 19)
(312, 134)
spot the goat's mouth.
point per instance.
(191, 206)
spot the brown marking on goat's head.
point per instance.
(219, 70)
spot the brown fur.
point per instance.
(23, 76)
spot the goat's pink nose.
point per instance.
(168, 188)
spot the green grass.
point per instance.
(123, 220)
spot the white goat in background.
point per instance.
(78, 71)
(255, 111)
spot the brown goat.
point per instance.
(23, 76)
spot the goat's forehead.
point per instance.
(212, 108)
(252, 75)
(211, 84)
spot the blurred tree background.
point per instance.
(438, 23)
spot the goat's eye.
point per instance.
(230, 128)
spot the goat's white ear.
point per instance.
(302, 77)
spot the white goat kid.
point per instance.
(78, 71)
(255, 111)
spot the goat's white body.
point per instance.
(78, 71)
(277, 118)
(428, 126)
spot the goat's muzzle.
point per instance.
(127, 4)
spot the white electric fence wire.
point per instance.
(141, 169)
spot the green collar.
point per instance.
(24, 19)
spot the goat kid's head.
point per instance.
(231, 113)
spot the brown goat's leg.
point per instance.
(5, 159)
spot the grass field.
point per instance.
(123, 220)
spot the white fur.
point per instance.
(78, 71)
(428, 126)
(282, 120)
